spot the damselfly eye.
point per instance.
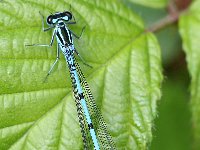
(68, 14)
(50, 19)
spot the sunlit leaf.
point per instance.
(125, 78)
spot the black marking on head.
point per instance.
(54, 18)
(68, 14)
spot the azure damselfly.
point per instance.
(93, 126)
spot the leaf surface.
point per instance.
(151, 3)
(125, 79)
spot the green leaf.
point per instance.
(151, 3)
(125, 79)
(189, 29)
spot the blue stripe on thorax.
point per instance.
(64, 36)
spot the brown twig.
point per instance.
(171, 18)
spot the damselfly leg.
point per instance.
(45, 45)
(48, 45)
(57, 59)
(81, 58)
(78, 37)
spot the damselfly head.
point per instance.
(54, 18)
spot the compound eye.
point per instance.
(50, 19)
(68, 15)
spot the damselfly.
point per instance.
(93, 126)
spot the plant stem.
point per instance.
(171, 18)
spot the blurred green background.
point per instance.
(173, 128)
